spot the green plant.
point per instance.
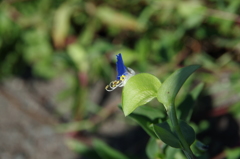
(142, 88)
(74, 40)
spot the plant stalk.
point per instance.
(176, 128)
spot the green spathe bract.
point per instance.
(139, 90)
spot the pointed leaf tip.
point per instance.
(170, 87)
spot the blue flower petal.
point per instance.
(121, 68)
(123, 75)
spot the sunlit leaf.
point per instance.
(139, 90)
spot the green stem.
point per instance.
(176, 128)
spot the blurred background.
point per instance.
(56, 57)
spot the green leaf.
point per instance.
(169, 89)
(145, 123)
(187, 132)
(145, 116)
(232, 153)
(164, 132)
(186, 107)
(199, 148)
(61, 24)
(106, 151)
(152, 149)
(171, 153)
(83, 149)
(139, 90)
(78, 55)
(77, 146)
(150, 112)
(124, 21)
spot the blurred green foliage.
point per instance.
(77, 40)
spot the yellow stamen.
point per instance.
(122, 77)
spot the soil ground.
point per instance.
(26, 127)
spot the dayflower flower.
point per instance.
(123, 75)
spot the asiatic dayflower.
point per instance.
(123, 75)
